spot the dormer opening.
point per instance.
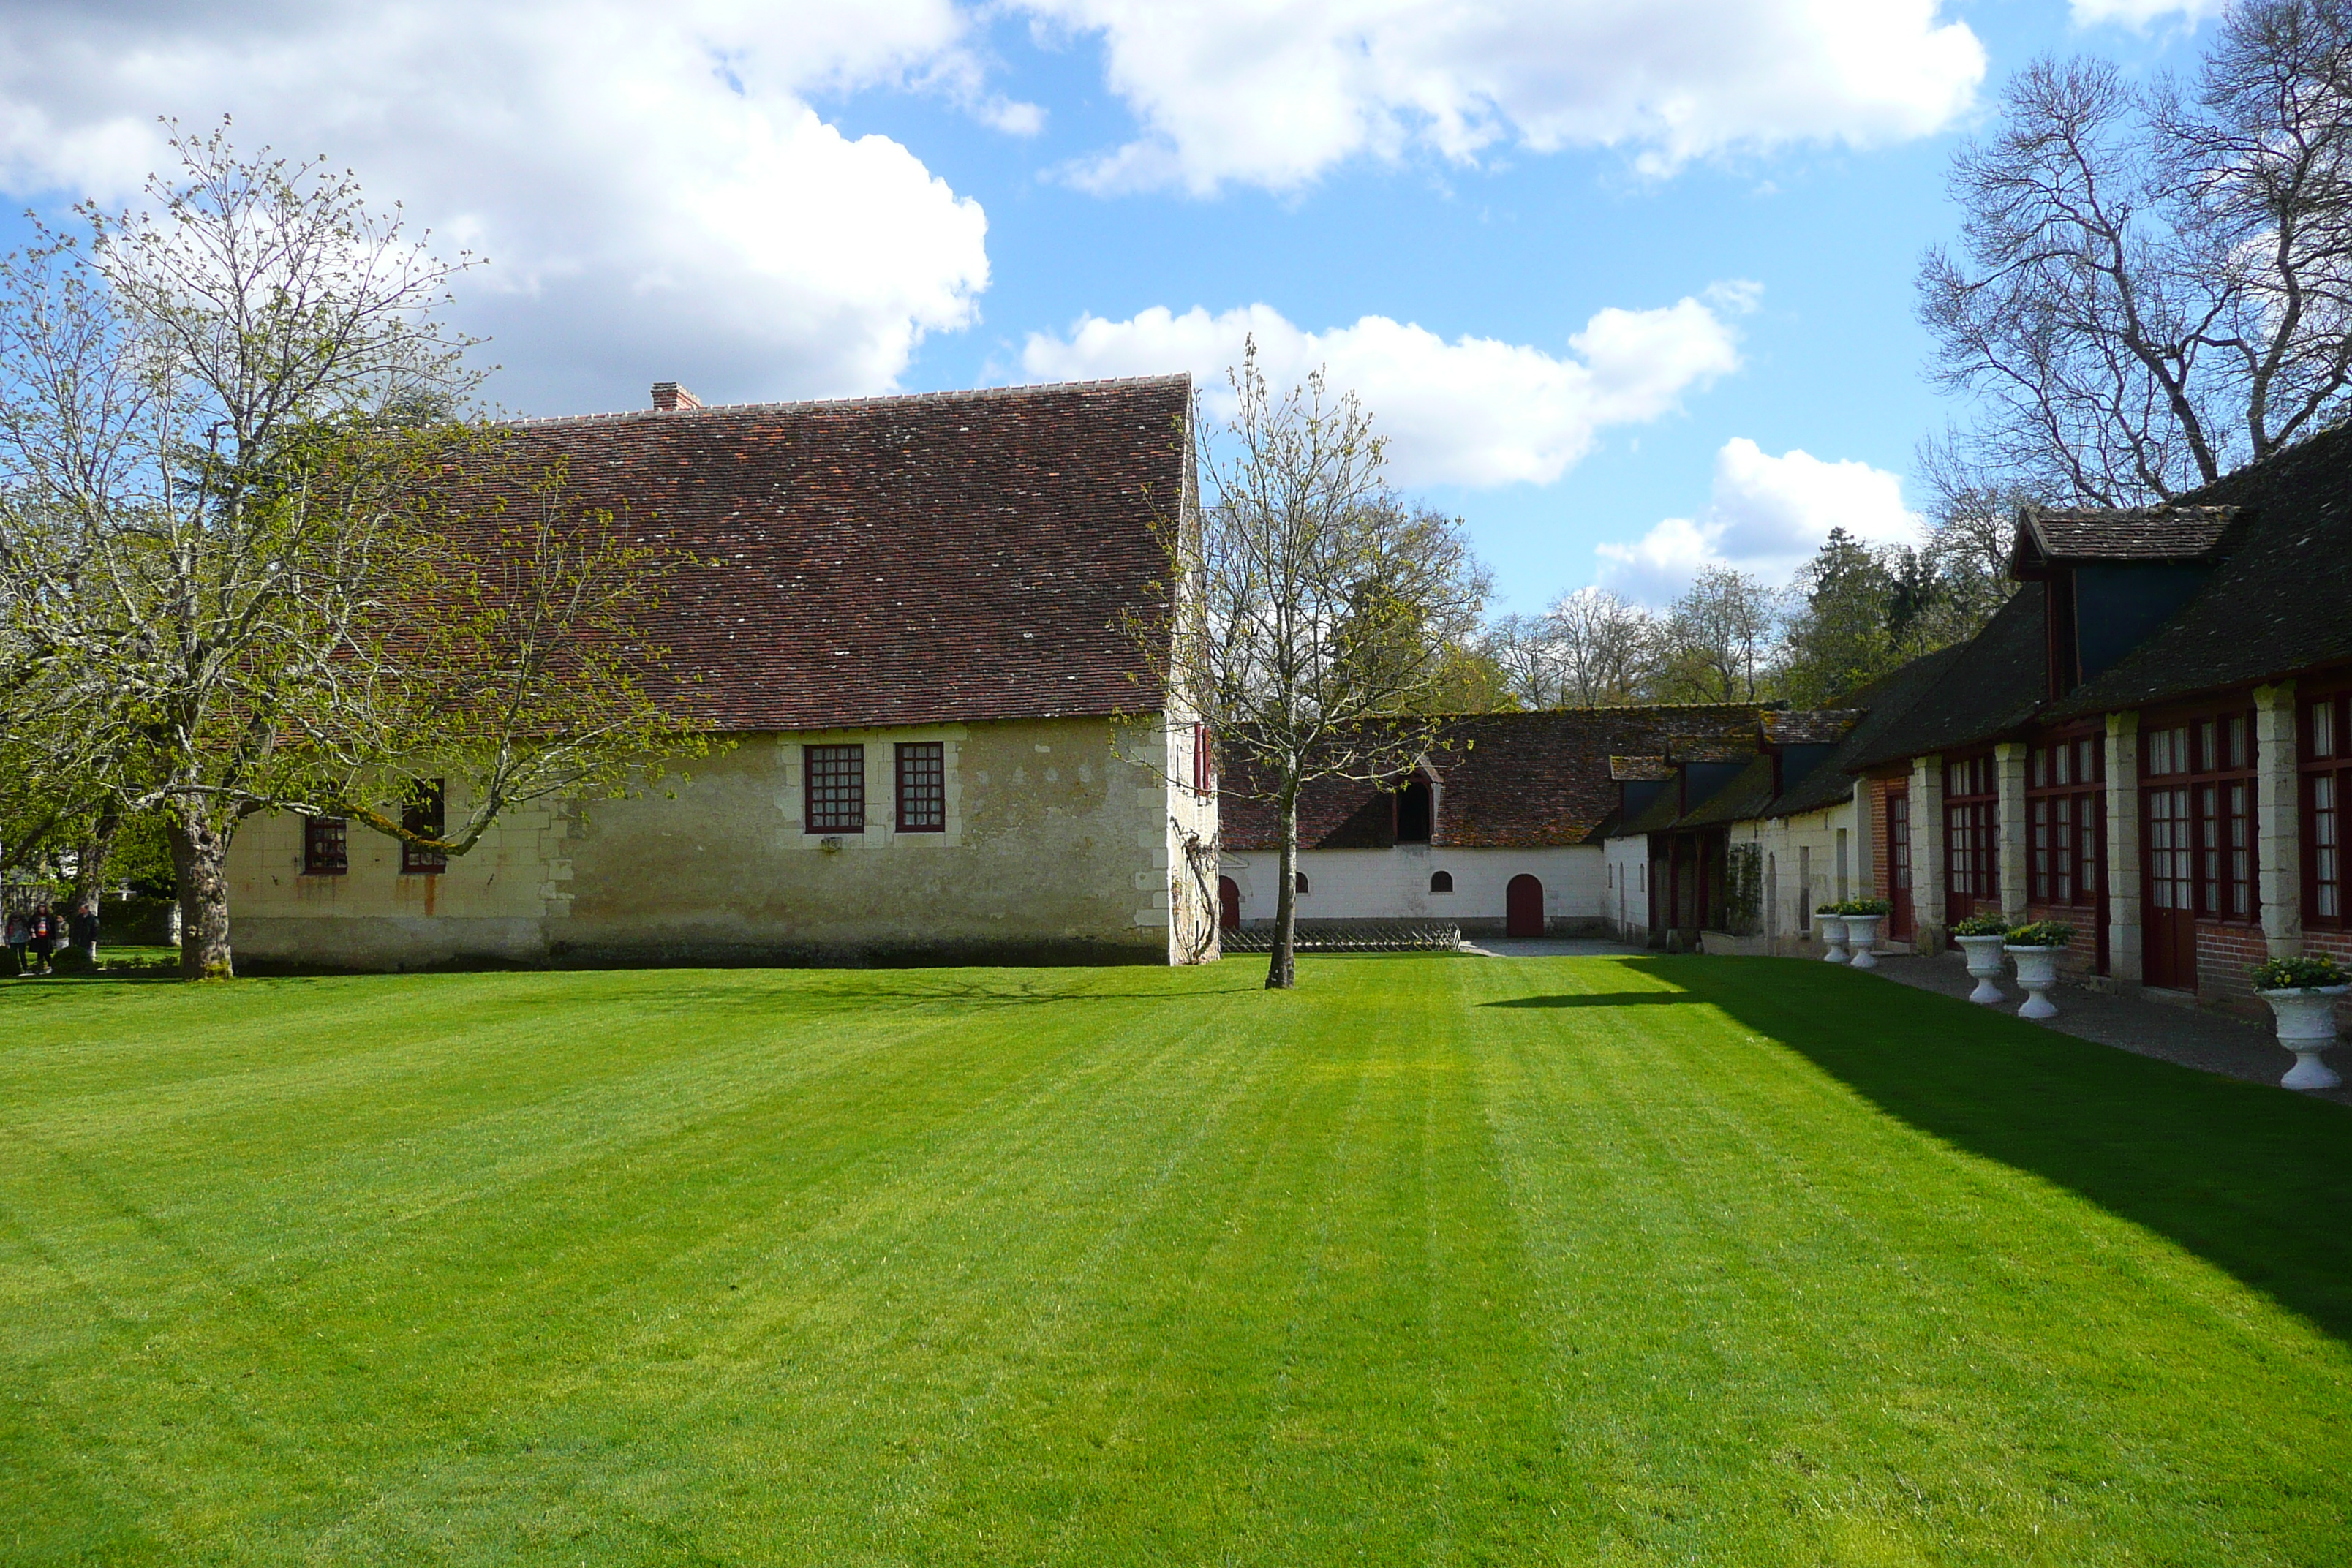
(1414, 815)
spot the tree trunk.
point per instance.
(199, 856)
(89, 883)
(1282, 970)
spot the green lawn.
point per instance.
(1435, 1260)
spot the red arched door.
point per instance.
(1523, 907)
(1229, 905)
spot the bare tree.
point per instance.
(1717, 640)
(1607, 647)
(225, 451)
(2154, 285)
(1525, 650)
(1309, 610)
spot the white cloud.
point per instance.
(1766, 515)
(1275, 92)
(2140, 13)
(1476, 411)
(656, 196)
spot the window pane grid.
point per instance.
(835, 789)
(922, 786)
(2065, 807)
(326, 847)
(422, 815)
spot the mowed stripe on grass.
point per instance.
(1435, 1259)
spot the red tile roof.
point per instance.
(1506, 780)
(938, 558)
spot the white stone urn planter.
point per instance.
(1833, 938)
(2306, 1026)
(2037, 971)
(1984, 966)
(1862, 935)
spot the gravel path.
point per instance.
(2192, 1036)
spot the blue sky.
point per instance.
(1679, 236)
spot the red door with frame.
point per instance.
(1898, 864)
(1229, 905)
(2168, 957)
(1523, 907)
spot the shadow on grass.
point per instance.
(2256, 1180)
(1600, 999)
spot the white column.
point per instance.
(2278, 819)
(2124, 947)
(2008, 767)
(1928, 895)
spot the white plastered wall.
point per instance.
(1625, 886)
(1393, 884)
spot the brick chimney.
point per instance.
(670, 395)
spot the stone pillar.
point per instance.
(2124, 950)
(1866, 842)
(2008, 769)
(2278, 819)
(1927, 892)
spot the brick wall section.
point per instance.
(2083, 953)
(1882, 873)
(2337, 944)
(2224, 953)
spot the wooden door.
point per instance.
(1229, 905)
(1899, 865)
(1523, 907)
(2169, 958)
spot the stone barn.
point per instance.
(905, 615)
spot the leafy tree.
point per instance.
(1309, 611)
(1842, 634)
(237, 570)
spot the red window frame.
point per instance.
(2323, 754)
(326, 847)
(922, 779)
(1204, 767)
(425, 812)
(2203, 860)
(2065, 814)
(833, 789)
(1972, 828)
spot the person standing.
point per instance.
(45, 937)
(20, 937)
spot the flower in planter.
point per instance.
(1981, 925)
(2306, 972)
(2041, 933)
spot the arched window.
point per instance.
(1302, 884)
(1441, 881)
(1413, 813)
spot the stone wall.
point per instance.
(1058, 848)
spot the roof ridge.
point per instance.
(968, 395)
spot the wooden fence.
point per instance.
(1352, 936)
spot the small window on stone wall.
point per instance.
(834, 784)
(422, 813)
(922, 786)
(1441, 881)
(326, 848)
